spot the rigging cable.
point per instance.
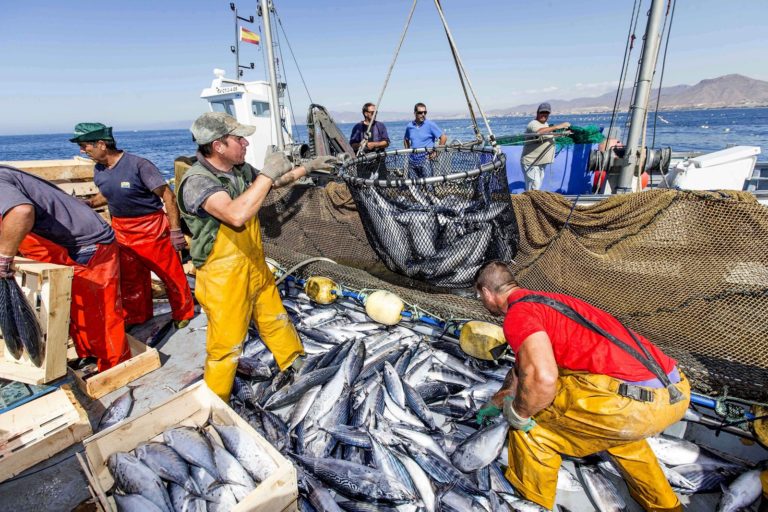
(280, 22)
(663, 66)
(462, 71)
(625, 64)
(285, 74)
(367, 135)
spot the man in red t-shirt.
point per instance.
(576, 392)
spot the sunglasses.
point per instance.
(421, 112)
(370, 111)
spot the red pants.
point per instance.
(145, 246)
(96, 314)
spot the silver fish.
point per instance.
(481, 448)
(133, 477)
(742, 492)
(118, 410)
(167, 464)
(134, 503)
(193, 447)
(251, 455)
(603, 493)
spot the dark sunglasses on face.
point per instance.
(421, 112)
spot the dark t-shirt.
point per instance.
(128, 186)
(378, 133)
(59, 217)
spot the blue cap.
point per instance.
(544, 107)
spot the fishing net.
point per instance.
(689, 270)
(434, 215)
(579, 135)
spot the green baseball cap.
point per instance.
(214, 125)
(90, 132)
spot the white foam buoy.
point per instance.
(384, 307)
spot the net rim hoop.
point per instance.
(498, 161)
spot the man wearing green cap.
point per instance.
(135, 192)
(219, 198)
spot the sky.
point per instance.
(142, 64)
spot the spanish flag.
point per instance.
(247, 36)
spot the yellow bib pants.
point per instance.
(588, 416)
(235, 286)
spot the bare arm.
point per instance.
(508, 388)
(441, 141)
(236, 212)
(165, 193)
(96, 201)
(290, 177)
(406, 143)
(17, 223)
(550, 129)
(537, 375)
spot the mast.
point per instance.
(275, 110)
(639, 106)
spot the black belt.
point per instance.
(638, 393)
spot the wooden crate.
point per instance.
(191, 407)
(143, 360)
(48, 288)
(37, 430)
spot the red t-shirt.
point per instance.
(578, 348)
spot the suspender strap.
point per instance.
(645, 359)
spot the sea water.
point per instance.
(682, 130)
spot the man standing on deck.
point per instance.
(220, 197)
(42, 222)
(378, 139)
(538, 152)
(135, 192)
(422, 133)
(582, 383)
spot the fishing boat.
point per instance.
(716, 422)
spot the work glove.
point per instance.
(516, 421)
(177, 240)
(275, 165)
(487, 412)
(6, 267)
(321, 162)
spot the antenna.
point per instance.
(236, 48)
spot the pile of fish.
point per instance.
(209, 468)
(383, 418)
(18, 323)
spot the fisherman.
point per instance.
(220, 197)
(149, 238)
(378, 140)
(422, 133)
(538, 152)
(583, 383)
(44, 223)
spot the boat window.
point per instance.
(260, 109)
(227, 106)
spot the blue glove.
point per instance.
(516, 421)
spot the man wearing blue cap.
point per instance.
(135, 191)
(538, 151)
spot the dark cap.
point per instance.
(214, 125)
(90, 132)
(544, 107)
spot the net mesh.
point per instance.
(434, 215)
(688, 270)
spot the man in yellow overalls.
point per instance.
(219, 197)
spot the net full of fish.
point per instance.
(383, 418)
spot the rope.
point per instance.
(285, 74)
(462, 71)
(301, 264)
(367, 136)
(624, 65)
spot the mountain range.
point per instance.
(728, 91)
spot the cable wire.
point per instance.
(663, 67)
(279, 22)
(367, 135)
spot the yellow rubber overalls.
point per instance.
(235, 286)
(588, 416)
